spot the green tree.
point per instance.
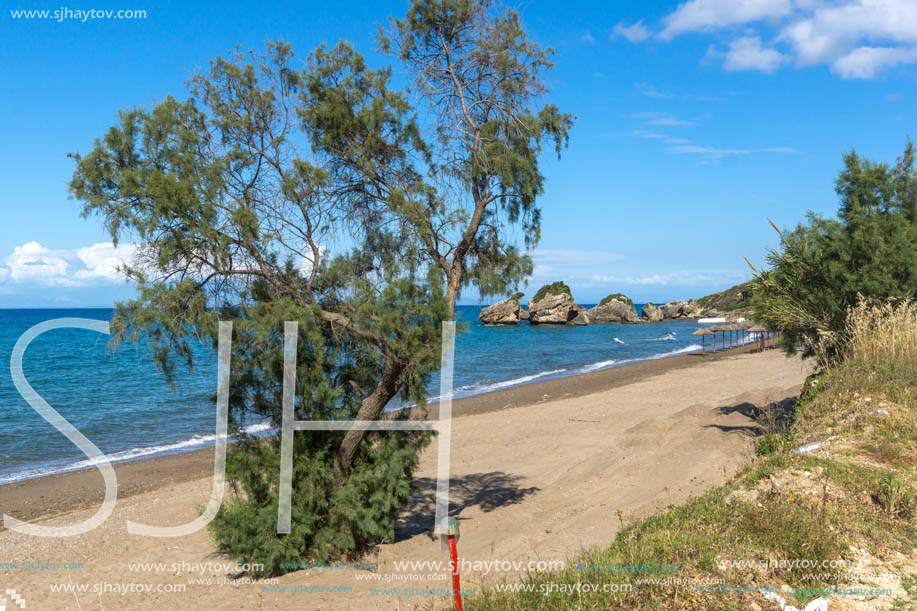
(478, 74)
(235, 220)
(825, 266)
(467, 175)
(316, 194)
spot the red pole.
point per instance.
(455, 574)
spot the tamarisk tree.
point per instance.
(826, 266)
(479, 80)
(315, 193)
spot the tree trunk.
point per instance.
(453, 285)
(370, 408)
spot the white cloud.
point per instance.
(832, 30)
(866, 62)
(710, 150)
(546, 257)
(699, 15)
(662, 119)
(664, 138)
(584, 269)
(306, 263)
(686, 278)
(551, 265)
(747, 53)
(35, 265)
(101, 261)
(687, 146)
(634, 33)
(855, 38)
(650, 91)
(587, 38)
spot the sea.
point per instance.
(119, 400)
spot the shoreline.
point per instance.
(58, 493)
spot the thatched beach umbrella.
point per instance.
(744, 326)
(733, 328)
(740, 329)
(703, 338)
(715, 329)
(760, 331)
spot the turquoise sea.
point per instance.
(121, 402)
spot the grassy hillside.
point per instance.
(735, 298)
(850, 502)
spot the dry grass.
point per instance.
(883, 334)
(879, 364)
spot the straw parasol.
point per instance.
(744, 326)
(760, 331)
(715, 329)
(703, 339)
(734, 327)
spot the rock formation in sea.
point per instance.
(651, 313)
(615, 308)
(553, 305)
(582, 317)
(681, 309)
(506, 312)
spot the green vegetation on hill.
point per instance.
(555, 288)
(735, 298)
(620, 297)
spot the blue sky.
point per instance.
(697, 122)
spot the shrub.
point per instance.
(894, 497)
(826, 266)
(330, 519)
(767, 445)
(555, 288)
(620, 297)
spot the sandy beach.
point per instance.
(539, 472)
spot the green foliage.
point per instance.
(619, 296)
(476, 69)
(895, 497)
(328, 520)
(825, 265)
(233, 224)
(555, 288)
(767, 445)
(738, 297)
(236, 196)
